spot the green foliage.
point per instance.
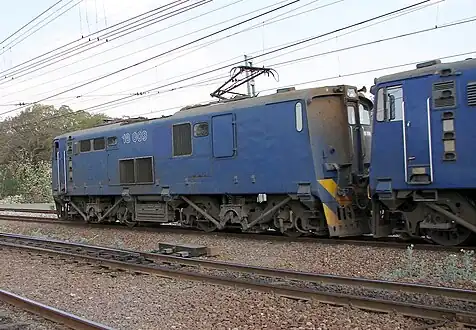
(25, 149)
(454, 268)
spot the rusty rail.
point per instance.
(364, 241)
(45, 211)
(50, 313)
(468, 295)
(409, 309)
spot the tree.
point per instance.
(28, 136)
(25, 148)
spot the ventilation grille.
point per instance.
(182, 139)
(144, 170)
(471, 91)
(126, 171)
(444, 94)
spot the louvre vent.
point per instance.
(144, 170)
(471, 91)
(441, 86)
(182, 139)
(444, 94)
(126, 171)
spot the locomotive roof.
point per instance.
(429, 68)
(219, 107)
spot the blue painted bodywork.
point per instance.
(418, 137)
(252, 147)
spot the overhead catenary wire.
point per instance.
(290, 85)
(29, 22)
(296, 60)
(128, 97)
(260, 55)
(115, 47)
(277, 46)
(185, 35)
(161, 54)
(91, 35)
(174, 39)
(274, 47)
(12, 43)
(208, 43)
(98, 41)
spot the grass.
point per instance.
(454, 268)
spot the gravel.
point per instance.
(13, 318)
(429, 267)
(425, 299)
(125, 300)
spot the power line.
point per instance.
(173, 39)
(89, 36)
(115, 47)
(325, 79)
(206, 44)
(459, 22)
(268, 52)
(31, 21)
(161, 54)
(296, 84)
(11, 44)
(103, 38)
(278, 64)
(294, 61)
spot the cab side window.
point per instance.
(390, 104)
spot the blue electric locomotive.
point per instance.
(422, 176)
(295, 161)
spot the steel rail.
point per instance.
(45, 211)
(50, 313)
(467, 295)
(364, 303)
(461, 294)
(364, 241)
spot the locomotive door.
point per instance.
(223, 135)
(416, 134)
(60, 167)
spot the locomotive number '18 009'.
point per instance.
(135, 137)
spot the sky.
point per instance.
(95, 74)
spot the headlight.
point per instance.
(351, 93)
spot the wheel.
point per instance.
(456, 236)
(293, 233)
(206, 226)
(207, 204)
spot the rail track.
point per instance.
(47, 312)
(362, 241)
(374, 295)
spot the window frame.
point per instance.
(198, 124)
(134, 162)
(119, 170)
(191, 139)
(111, 144)
(93, 141)
(152, 168)
(384, 105)
(81, 146)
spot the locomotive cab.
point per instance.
(422, 180)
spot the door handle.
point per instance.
(408, 123)
(411, 158)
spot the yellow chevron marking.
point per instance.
(331, 217)
(330, 185)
